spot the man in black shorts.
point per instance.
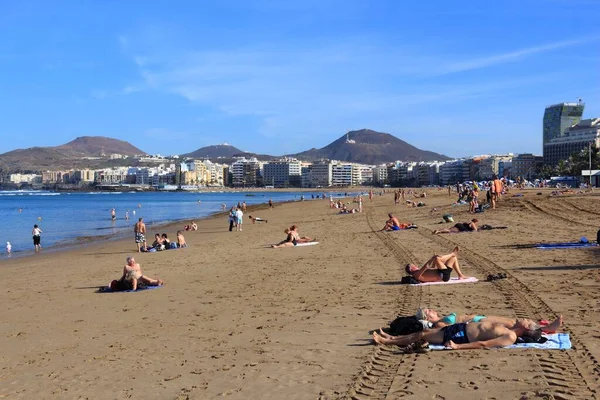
(437, 268)
(474, 335)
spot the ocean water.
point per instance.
(70, 218)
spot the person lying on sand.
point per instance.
(257, 219)
(463, 336)
(460, 227)
(437, 268)
(391, 224)
(427, 314)
(132, 272)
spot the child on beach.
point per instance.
(180, 240)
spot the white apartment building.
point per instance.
(25, 178)
(245, 171)
(319, 174)
(380, 175)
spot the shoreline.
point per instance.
(81, 242)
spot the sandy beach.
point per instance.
(239, 320)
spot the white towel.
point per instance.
(452, 281)
(556, 341)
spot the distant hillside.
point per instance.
(71, 155)
(224, 153)
(217, 151)
(97, 145)
(369, 147)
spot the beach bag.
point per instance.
(405, 326)
(448, 218)
(173, 245)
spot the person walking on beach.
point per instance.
(239, 215)
(140, 234)
(360, 201)
(244, 206)
(270, 204)
(232, 218)
(37, 237)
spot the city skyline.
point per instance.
(271, 77)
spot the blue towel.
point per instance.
(106, 289)
(556, 341)
(572, 245)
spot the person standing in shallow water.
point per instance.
(37, 238)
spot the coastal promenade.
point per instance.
(239, 320)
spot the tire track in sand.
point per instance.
(573, 374)
(537, 209)
(387, 366)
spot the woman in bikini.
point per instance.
(289, 241)
(427, 314)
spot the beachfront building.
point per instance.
(558, 118)
(283, 173)
(25, 178)
(575, 139)
(488, 166)
(214, 173)
(53, 176)
(524, 165)
(451, 172)
(380, 175)
(83, 176)
(318, 174)
(111, 176)
(366, 174)
(245, 172)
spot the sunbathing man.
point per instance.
(475, 335)
(257, 219)
(133, 273)
(460, 227)
(427, 314)
(437, 268)
(391, 224)
(181, 240)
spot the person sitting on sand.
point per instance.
(180, 240)
(165, 241)
(158, 242)
(257, 219)
(427, 314)
(463, 336)
(437, 268)
(132, 273)
(391, 224)
(193, 226)
(288, 242)
(297, 237)
(460, 227)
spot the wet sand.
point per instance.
(237, 319)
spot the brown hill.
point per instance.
(370, 147)
(81, 152)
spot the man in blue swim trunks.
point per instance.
(474, 335)
(391, 224)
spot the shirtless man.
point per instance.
(474, 335)
(133, 273)
(257, 219)
(392, 224)
(113, 214)
(140, 234)
(437, 268)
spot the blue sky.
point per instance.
(280, 76)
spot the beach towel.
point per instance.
(470, 279)
(306, 244)
(572, 245)
(107, 289)
(556, 341)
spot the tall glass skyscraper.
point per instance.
(558, 118)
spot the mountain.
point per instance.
(217, 151)
(98, 145)
(224, 153)
(75, 154)
(366, 146)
